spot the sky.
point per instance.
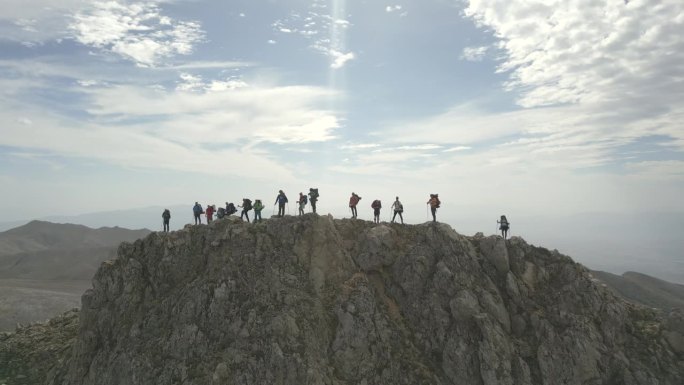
(535, 109)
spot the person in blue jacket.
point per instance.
(281, 200)
(197, 210)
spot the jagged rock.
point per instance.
(310, 299)
(493, 248)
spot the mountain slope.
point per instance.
(645, 290)
(46, 267)
(322, 301)
(38, 236)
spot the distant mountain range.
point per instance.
(45, 267)
(644, 289)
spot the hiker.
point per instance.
(353, 201)
(258, 206)
(398, 209)
(210, 213)
(434, 205)
(167, 216)
(230, 209)
(246, 206)
(313, 197)
(503, 226)
(197, 210)
(376, 205)
(281, 200)
(302, 203)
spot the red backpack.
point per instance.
(376, 204)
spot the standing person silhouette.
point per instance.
(434, 205)
(246, 206)
(353, 201)
(398, 209)
(503, 226)
(210, 213)
(166, 215)
(301, 203)
(313, 198)
(197, 210)
(281, 200)
(258, 206)
(376, 206)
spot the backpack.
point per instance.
(504, 223)
(197, 209)
(230, 209)
(258, 206)
(376, 204)
(246, 204)
(314, 193)
(166, 214)
(220, 213)
(305, 200)
(282, 199)
(438, 202)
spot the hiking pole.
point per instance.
(288, 208)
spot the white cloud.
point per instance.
(340, 59)
(393, 8)
(137, 31)
(201, 130)
(574, 51)
(207, 65)
(360, 146)
(35, 21)
(327, 32)
(222, 110)
(474, 53)
(457, 148)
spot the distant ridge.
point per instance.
(41, 235)
(45, 267)
(643, 289)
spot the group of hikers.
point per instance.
(312, 197)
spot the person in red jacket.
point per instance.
(210, 213)
(353, 201)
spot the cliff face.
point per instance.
(313, 300)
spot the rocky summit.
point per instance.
(314, 300)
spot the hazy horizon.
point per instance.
(643, 243)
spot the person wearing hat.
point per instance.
(281, 200)
(398, 209)
(353, 201)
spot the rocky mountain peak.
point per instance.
(314, 300)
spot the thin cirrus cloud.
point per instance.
(590, 77)
(136, 31)
(326, 32)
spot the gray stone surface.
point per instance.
(312, 300)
